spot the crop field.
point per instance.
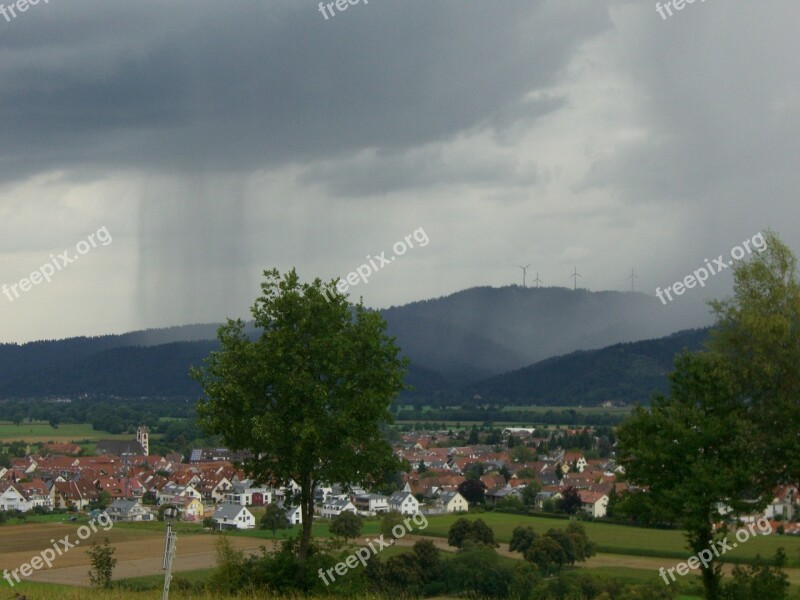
(41, 431)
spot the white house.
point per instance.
(172, 493)
(594, 503)
(12, 499)
(404, 503)
(247, 494)
(782, 505)
(128, 510)
(334, 507)
(371, 504)
(233, 516)
(294, 515)
(453, 502)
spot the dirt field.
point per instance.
(138, 552)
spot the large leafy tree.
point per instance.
(347, 524)
(728, 433)
(758, 335)
(570, 501)
(692, 451)
(309, 397)
(274, 518)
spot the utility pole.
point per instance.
(170, 545)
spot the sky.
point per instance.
(179, 149)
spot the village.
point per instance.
(210, 488)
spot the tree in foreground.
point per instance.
(274, 518)
(347, 524)
(727, 433)
(103, 563)
(309, 397)
(758, 336)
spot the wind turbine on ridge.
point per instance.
(524, 274)
(575, 276)
(633, 277)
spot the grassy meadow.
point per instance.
(41, 431)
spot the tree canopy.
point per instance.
(309, 397)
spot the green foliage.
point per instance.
(428, 558)
(570, 501)
(347, 525)
(229, 576)
(473, 471)
(103, 563)
(476, 531)
(714, 441)
(473, 490)
(521, 539)
(311, 395)
(764, 579)
(757, 336)
(554, 549)
(547, 554)
(529, 492)
(510, 504)
(274, 518)
(388, 521)
(102, 502)
(477, 571)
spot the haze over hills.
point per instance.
(480, 332)
(453, 342)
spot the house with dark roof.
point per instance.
(129, 511)
(118, 448)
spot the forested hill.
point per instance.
(454, 343)
(628, 372)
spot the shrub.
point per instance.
(103, 563)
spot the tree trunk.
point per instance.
(307, 511)
(699, 541)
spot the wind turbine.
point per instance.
(537, 281)
(575, 276)
(524, 274)
(633, 277)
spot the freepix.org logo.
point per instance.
(56, 263)
(364, 271)
(60, 547)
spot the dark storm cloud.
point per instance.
(246, 85)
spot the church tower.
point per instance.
(143, 437)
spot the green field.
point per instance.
(41, 431)
(624, 540)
